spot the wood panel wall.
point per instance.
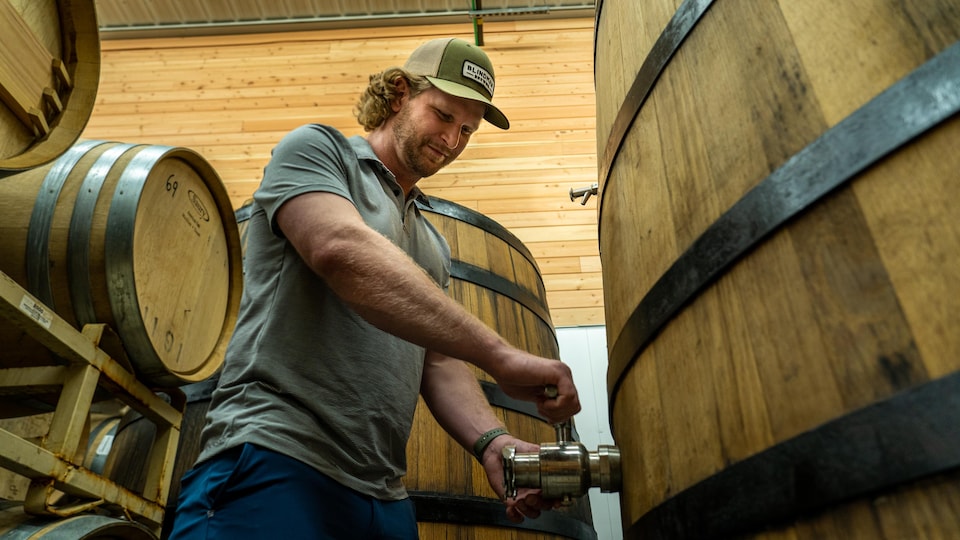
(231, 98)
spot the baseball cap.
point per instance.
(458, 68)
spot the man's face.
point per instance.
(433, 128)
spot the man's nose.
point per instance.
(451, 138)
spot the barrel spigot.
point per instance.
(585, 193)
(563, 469)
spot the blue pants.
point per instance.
(253, 493)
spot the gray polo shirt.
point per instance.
(304, 374)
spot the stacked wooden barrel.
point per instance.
(133, 236)
(779, 244)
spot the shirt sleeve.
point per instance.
(309, 158)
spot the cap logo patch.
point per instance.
(477, 73)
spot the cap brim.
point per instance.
(493, 114)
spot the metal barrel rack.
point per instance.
(50, 463)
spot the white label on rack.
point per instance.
(105, 445)
(36, 311)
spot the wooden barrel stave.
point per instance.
(843, 306)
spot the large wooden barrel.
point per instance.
(16, 525)
(780, 244)
(49, 73)
(140, 237)
(495, 277)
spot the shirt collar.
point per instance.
(364, 151)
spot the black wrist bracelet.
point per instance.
(484, 441)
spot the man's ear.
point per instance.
(402, 92)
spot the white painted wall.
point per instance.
(584, 349)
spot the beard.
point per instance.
(414, 148)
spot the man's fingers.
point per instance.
(529, 505)
(559, 409)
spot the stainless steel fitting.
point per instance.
(562, 470)
(585, 192)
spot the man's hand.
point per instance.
(526, 376)
(528, 502)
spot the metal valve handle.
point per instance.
(563, 469)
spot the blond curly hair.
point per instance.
(373, 109)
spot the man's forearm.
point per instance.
(455, 399)
(382, 283)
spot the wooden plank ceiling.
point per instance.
(138, 18)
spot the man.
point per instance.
(344, 322)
